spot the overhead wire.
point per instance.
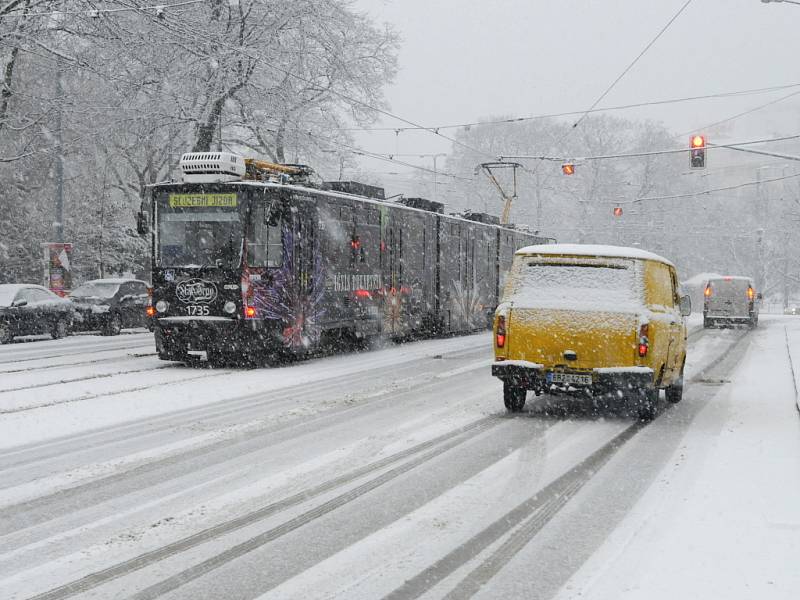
(633, 63)
(733, 94)
(710, 191)
(385, 158)
(613, 84)
(732, 145)
(741, 114)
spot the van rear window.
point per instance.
(730, 285)
(575, 285)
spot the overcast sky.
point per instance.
(462, 60)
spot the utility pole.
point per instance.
(435, 175)
(760, 270)
(58, 223)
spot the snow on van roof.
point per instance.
(592, 250)
(701, 278)
(731, 278)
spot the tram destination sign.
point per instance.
(202, 200)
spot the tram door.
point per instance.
(392, 275)
(305, 297)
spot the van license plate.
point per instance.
(569, 378)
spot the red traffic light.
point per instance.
(697, 149)
(698, 141)
(568, 168)
(617, 211)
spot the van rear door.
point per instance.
(583, 305)
(727, 297)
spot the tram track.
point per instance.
(72, 350)
(240, 443)
(80, 363)
(85, 378)
(225, 412)
(397, 464)
(104, 394)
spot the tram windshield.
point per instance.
(199, 230)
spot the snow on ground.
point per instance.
(88, 404)
(386, 557)
(722, 519)
(162, 459)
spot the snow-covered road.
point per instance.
(393, 473)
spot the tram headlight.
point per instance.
(162, 306)
(229, 307)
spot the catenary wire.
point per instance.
(712, 190)
(734, 94)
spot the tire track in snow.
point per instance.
(522, 523)
(408, 459)
(529, 516)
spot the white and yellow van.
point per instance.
(594, 321)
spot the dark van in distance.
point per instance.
(730, 300)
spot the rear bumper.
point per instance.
(532, 376)
(729, 318)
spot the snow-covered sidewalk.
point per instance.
(722, 519)
(792, 332)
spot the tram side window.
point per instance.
(264, 243)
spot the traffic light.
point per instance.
(697, 147)
(617, 211)
(568, 168)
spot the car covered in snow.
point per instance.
(28, 309)
(730, 300)
(591, 321)
(109, 305)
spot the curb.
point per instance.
(791, 366)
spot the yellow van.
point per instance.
(591, 321)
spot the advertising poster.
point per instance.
(58, 269)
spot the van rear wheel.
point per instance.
(513, 397)
(674, 392)
(647, 403)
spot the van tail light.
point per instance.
(707, 291)
(644, 340)
(500, 335)
(751, 294)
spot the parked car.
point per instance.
(730, 300)
(27, 309)
(591, 321)
(109, 305)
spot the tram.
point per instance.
(251, 261)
